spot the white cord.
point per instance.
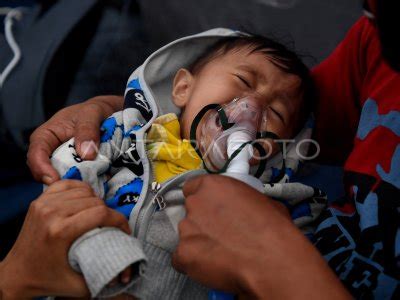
(8, 24)
(369, 14)
(5, 10)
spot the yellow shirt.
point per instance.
(170, 154)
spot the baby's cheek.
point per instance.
(185, 123)
(275, 125)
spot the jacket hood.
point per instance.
(156, 75)
(149, 90)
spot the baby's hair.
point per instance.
(277, 53)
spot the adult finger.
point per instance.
(187, 228)
(185, 255)
(92, 114)
(75, 193)
(71, 207)
(126, 275)
(43, 143)
(87, 130)
(68, 184)
(192, 185)
(99, 216)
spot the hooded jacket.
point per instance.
(122, 174)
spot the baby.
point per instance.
(145, 157)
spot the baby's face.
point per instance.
(237, 74)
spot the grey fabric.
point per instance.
(161, 281)
(304, 202)
(194, 291)
(293, 192)
(305, 222)
(161, 231)
(101, 255)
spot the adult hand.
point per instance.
(237, 240)
(37, 264)
(81, 121)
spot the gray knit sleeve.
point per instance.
(102, 254)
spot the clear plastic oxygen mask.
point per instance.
(227, 135)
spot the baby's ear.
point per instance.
(182, 87)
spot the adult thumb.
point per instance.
(87, 133)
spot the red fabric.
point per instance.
(359, 100)
(354, 73)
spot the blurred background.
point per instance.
(72, 50)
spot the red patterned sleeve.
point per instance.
(339, 82)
